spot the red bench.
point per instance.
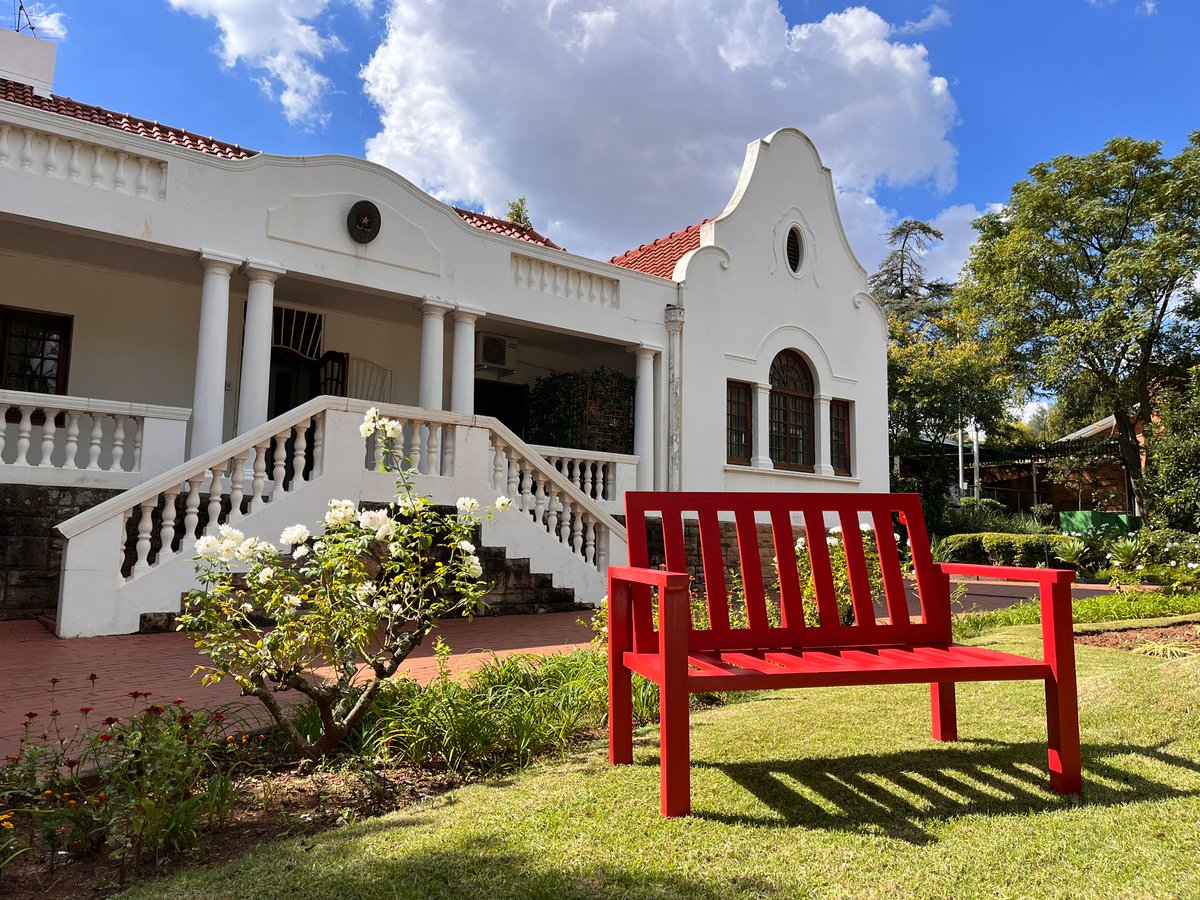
(684, 660)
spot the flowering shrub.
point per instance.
(841, 573)
(143, 783)
(352, 602)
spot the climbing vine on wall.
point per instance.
(583, 410)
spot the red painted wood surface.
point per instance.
(651, 630)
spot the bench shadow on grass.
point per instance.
(901, 794)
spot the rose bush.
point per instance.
(335, 617)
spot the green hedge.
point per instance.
(999, 549)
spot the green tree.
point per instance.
(518, 213)
(1084, 281)
(939, 376)
(1173, 484)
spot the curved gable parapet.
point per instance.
(774, 159)
(867, 299)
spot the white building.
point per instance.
(200, 326)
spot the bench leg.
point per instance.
(620, 713)
(945, 713)
(674, 750)
(1062, 726)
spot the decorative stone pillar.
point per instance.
(643, 416)
(462, 361)
(674, 322)
(760, 455)
(256, 345)
(822, 431)
(208, 397)
(433, 334)
(660, 422)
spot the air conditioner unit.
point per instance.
(494, 353)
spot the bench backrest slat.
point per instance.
(775, 607)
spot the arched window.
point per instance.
(792, 417)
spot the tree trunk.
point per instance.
(1131, 456)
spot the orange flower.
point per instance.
(47, 794)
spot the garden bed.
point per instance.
(1187, 635)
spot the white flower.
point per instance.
(467, 506)
(407, 506)
(296, 534)
(248, 607)
(366, 429)
(896, 535)
(372, 518)
(318, 546)
(836, 529)
(1174, 563)
(473, 567)
(341, 512)
(1194, 565)
(300, 552)
(364, 591)
(228, 533)
(371, 417)
(832, 541)
(207, 546)
(1140, 567)
(228, 550)
(503, 504)
(265, 575)
(466, 546)
(247, 548)
(386, 531)
(866, 526)
(292, 600)
(391, 428)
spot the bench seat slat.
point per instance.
(766, 670)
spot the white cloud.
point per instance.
(935, 17)
(945, 259)
(622, 120)
(281, 38)
(1148, 7)
(47, 21)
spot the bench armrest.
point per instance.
(658, 578)
(674, 614)
(1054, 593)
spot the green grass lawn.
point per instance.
(832, 792)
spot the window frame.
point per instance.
(66, 324)
(732, 385)
(848, 406)
(794, 404)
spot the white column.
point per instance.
(761, 452)
(660, 423)
(256, 345)
(433, 335)
(674, 322)
(822, 431)
(208, 398)
(462, 360)
(643, 416)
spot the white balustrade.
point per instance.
(123, 443)
(603, 477)
(41, 153)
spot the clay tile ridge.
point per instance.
(659, 257)
(505, 227)
(98, 115)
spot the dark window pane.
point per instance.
(738, 414)
(839, 436)
(34, 347)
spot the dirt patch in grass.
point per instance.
(1132, 638)
(285, 803)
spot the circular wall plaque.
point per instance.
(363, 221)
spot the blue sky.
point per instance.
(622, 120)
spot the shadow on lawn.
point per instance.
(900, 794)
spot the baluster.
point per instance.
(51, 161)
(260, 475)
(433, 463)
(499, 476)
(449, 439)
(577, 532)
(97, 166)
(119, 173)
(48, 430)
(602, 537)
(279, 471)
(145, 524)
(513, 477)
(237, 478)
(23, 430)
(4, 408)
(299, 457)
(142, 180)
(409, 445)
(539, 500)
(587, 485)
(139, 428)
(72, 447)
(4, 129)
(318, 450)
(608, 471)
(166, 534)
(564, 521)
(97, 436)
(125, 541)
(27, 152)
(162, 181)
(589, 540)
(191, 509)
(118, 444)
(73, 167)
(552, 509)
(216, 492)
(526, 502)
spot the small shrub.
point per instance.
(999, 549)
(987, 515)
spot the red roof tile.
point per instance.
(65, 106)
(659, 257)
(505, 227)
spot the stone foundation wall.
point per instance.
(30, 548)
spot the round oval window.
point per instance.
(795, 249)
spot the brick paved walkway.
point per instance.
(162, 663)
